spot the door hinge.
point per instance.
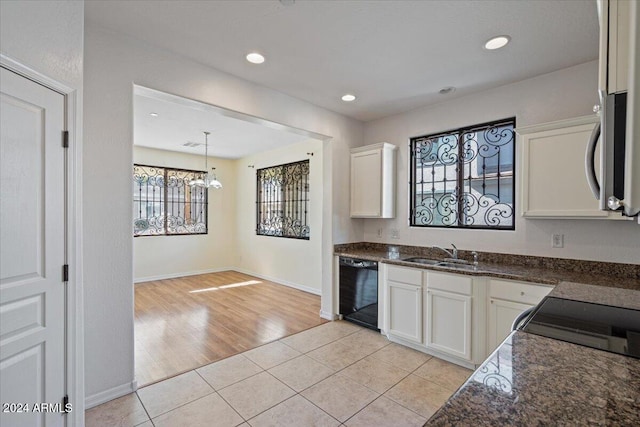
(65, 403)
(65, 138)
(65, 273)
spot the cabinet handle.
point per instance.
(522, 293)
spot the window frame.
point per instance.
(460, 178)
(284, 201)
(165, 202)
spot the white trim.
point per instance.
(558, 124)
(34, 75)
(279, 281)
(112, 393)
(75, 301)
(204, 106)
(239, 270)
(181, 274)
(328, 316)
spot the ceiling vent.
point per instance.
(191, 144)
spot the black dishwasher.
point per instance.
(359, 291)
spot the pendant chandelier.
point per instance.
(209, 179)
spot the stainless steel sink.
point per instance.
(457, 265)
(425, 261)
(437, 263)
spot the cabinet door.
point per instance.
(553, 180)
(405, 311)
(502, 313)
(366, 183)
(448, 323)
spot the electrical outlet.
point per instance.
(557, 241)
(379, 233)
(395, 233)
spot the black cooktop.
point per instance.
(613, 329)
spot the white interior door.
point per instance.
(32, 252)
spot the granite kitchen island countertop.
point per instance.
(534, 380)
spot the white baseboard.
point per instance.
(279, 281)
(183, 274)
(328, 316)
(112, 393)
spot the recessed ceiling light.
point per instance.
(447, 90)
(497, 42)
(255, 58)
(348, 97)
(153, 114)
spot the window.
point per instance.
(283, 200)
(464, 178)
(165, 204)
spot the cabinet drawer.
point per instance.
(518, 292)
(412, 276)
(450, 283)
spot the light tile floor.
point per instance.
(336, 374)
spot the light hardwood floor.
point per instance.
(184, 323)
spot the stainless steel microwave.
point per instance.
(617, 182)
(611, 133)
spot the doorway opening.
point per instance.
(201, 297)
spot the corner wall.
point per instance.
(563, 94)
(161, 257)
(297, 263)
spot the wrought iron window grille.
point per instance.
(464, 178)
(164, 204)
(282, 201)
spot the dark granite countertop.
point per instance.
(533, 380)
(544, 270)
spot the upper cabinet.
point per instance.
(554, 184)
(373, 185)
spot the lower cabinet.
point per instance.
(502, 313)
(448, 313)
(457, 317)
(405, 311)
(507, 299)
(448, 323)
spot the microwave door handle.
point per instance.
(590, 160)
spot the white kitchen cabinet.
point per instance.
(502, 313)
(404, 303)
(448, 314)
(507, 300)
(554, 183)
(373, 175)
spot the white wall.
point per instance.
(563, 94)
(294, 262)
(113, 63)
(48, 37)
(157, 257)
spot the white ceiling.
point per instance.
(180, 120)
(394, 55)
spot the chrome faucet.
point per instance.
(452, 255)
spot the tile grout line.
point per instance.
(263, 370)
(143, 407)
(186, 403)
(271, 407)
